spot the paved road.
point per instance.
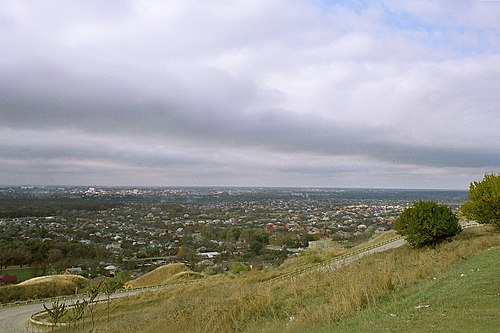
(345, 261)
(16, 319)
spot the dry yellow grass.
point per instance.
(160, 275)
(377, 239)
(238, 304)
(313, 256)
(62, 279)
(185, 276)
(43, 287)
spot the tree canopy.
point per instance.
(427, 223)
(484, 201)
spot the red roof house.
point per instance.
(8, 279)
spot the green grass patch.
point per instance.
(22, 274)
(464, 299)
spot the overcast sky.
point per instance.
(401, 94)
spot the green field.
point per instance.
(22, 274)
(464, 299)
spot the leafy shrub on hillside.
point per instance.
(427, 223)
(238, 267)
(484, 204)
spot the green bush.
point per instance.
(484, 204)
(314, 258)
(427, 223)
(238, 267)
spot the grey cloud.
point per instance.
(62, 147)
(182, 85)
(224, 115)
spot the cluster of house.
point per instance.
(142, 228)
(149, 228)
(341, 221)
(110, 270)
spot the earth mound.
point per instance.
(163, 274)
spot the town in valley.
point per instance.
(105, 231)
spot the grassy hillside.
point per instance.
(58, 278)
(243, 304)
(43, 287)
(464, 299)
(160, 275)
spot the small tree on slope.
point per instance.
(427, 223)
(484, 204)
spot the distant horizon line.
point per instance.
(231, 187)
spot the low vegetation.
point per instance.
(160, 275)
(239, 303)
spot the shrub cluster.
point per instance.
(427, 223)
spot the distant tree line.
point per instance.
(42, 207)
(42, 254)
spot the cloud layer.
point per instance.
(265, 93)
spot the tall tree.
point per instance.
(484, 201)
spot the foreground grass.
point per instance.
(464, 299)
(242, 304)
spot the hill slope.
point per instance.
(43, 287)
(161, 275)
(58, 278)
(464, 299)
(241, 304)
